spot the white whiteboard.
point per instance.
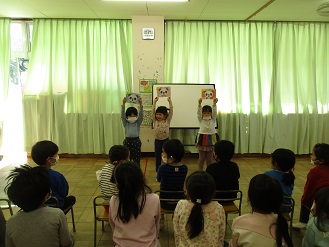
(185, 102)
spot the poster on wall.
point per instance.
(147, 119)
(145, 85)
(147, 99)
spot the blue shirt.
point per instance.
(314, 237)
(171, 177)
(287, 189)
(59, 186)
(132, 129)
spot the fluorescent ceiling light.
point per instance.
(146, 0)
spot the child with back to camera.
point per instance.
(35, 224)
(265, 225)
(45, 154)
(225, 172)
(161, 119)
(199, 221)
(207, 135)
(172, 173)
(132, 122)
(283, 163)
(135, 212)
(317, 231)
(317, 178)
(117, 154)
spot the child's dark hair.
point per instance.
(224, 150)
(265, 196)
(131, 186)
(27, 187)
(42, 150)
(321, 151)
(322, 208)
(117, 153)
(174, 148)
(131, 110)
(285, 160)
(206, 108)
(162, 109)
(201, 188)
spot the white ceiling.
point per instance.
(278, 10)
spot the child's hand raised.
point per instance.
(215, 101)
(156, 99)
(200, 101)
(140, 101)
(124, 101)
(169, 100)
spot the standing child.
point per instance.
(265, 225)
(161, 120)
(317, 178)
(135, 212)
(317, 231)
(45, 154)
(225, 172)
(117, 154)
(283, 163)
(172, 173)
(207, 135)
(199, 221)
(35, 224)
(132, 123)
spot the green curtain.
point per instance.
(4, 69)
(271, 79)
(78, 74)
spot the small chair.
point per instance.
(289, 216)
(229, 203)
(173, 200)
(8, 206)
(56, 205)
(100, 201)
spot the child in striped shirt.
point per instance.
(117, 154)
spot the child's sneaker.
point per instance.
(299, 225)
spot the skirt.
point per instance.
(206, 140)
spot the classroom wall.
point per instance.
(148, 63)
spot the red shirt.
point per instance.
(317, 178)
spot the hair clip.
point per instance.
(198, 201)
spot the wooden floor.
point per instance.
(81, 175)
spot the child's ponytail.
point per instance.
(195, 223)
(201, 189)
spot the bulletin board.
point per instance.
(185, 102)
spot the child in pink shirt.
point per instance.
(135, 212)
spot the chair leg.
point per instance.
(95, 232)
(72, 214)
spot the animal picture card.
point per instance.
(132, 98)
(208, 93)
(163, 91)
